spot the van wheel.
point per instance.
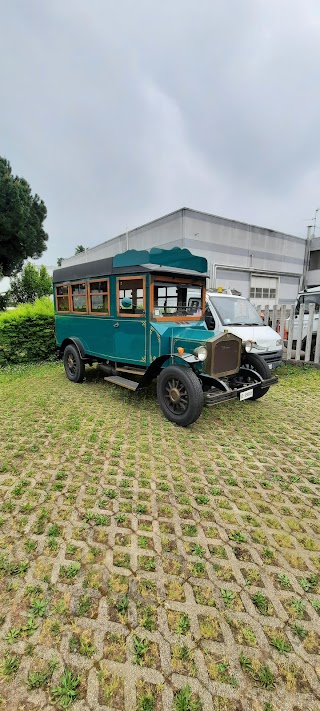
(73, 364)
(180, 395)
(253, 362)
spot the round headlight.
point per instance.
(248, 346)
(279, 342)
(201, 352)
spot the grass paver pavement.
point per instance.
(146, 567)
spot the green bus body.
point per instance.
(148, 321)
(137, 341)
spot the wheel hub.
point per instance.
(70, 361)
(174, 395)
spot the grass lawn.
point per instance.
(146, 567)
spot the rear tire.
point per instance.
(73, 364)
(180, 395)
(255, 362)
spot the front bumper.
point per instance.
(273, 359)
(214, 396)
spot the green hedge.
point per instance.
(27, 333)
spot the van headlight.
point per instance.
(279, 342)
(200, 352)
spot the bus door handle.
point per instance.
(115, 325)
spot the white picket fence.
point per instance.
(300, 332)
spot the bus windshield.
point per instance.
(177, 299)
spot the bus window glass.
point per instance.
(62, 297)
(99, 297)
(131, 297)
(79, 297)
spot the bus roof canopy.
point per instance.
(166, 260)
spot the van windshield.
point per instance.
(235, 311)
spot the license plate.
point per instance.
(246, 394)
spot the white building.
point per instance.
(264, 265)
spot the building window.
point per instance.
(263, 288)
(315, 260)
(131, 296)
(99, 297)
(62, 298)
(79, 297)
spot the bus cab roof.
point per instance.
(163, 261)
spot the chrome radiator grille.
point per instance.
(224, 355)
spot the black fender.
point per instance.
(75, 342)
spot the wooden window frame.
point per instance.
(78, 313)
(177, 280)
(101, 293)
(62, 296)
(131, 278)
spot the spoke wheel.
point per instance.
(176, 396)
(74, 365)
(180, 395)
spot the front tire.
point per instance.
(73, 364)
(255, 362)
(180, 395)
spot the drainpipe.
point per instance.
(310, 235)
(214, 276)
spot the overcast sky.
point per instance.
(119, 111)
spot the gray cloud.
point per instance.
(118, 112)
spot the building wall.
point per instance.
(236, 244)
(234, 250)
(288, 289)
(233, 279)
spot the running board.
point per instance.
(132, 371)
(124, 382)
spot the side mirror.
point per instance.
(211, 324)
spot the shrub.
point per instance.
(27, 333)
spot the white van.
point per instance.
(233, 313)
(311, 296)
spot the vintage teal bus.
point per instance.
(141, 316)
